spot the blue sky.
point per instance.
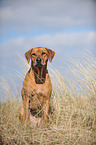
(66, 26)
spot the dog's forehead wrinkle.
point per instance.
(39, 51)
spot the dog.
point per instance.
(37, 85)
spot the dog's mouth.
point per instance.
(38, 65)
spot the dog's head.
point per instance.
(39, 56)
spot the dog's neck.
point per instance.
(40, 74)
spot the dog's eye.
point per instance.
(34, 54)
(43, 53)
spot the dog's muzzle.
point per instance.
(38, 62)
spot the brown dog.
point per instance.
(37, 85)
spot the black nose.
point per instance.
(38, 59)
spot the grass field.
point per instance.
(74, 111)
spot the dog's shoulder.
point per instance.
(28, 76)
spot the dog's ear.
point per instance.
(28, 55)
(51, 54)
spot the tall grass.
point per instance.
(74, 110)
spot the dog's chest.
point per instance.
(40, 91)
(36, 100)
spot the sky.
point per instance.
(66, 26)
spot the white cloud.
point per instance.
(57, 42)
(52, 14)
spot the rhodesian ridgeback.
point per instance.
(37, 85)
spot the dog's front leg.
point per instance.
(46, 110)
(26, 108)
(24, 111)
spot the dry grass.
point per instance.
(74, 111)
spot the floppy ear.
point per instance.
(51, 54)
(28, 55)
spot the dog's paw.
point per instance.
(35, 120)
